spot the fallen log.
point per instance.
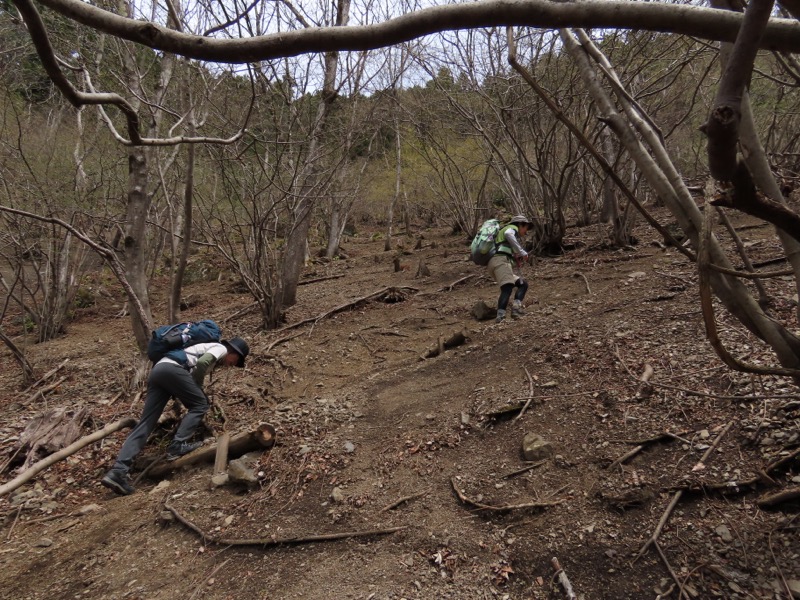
(35, 469)
(261, 438)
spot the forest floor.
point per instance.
(418, 461)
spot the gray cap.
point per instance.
(520, 219)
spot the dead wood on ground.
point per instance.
(51, 431)
(388, 294)
(62, 454)
(504, 508)
(317, 279)
(523, 469)
(449, 288)
(676, 498)
(261, 438)
(562, 578)
(641, 445)
(47, 375)
(530, 397)
(455, 340)
(275, 541)
(220, 474)
(400, 501)
(44, 391)
(772, 500)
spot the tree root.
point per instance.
(273, 541)
(505, 508)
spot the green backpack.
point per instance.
(483, 244)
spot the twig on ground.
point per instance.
(13, 456)
(136, 398)
(448, 288)
(777, 562)
(671, 571)
(317, 279)
(47, 375)
(285, 338)
(782, 461)
(210, 575)
(562, 578)
(585, 281)
(347, 305)
(523, 470)
(274, 541)
(676, 498)
(627, 456)
(14, 524)
(242, 311)
(530, 398)
(44, 390)
(641, 445)
(366, 345)
(505, 508)
(690, 392)
(400, 501)
(788, 495)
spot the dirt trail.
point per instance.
(364, 422)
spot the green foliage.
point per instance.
(84, 298)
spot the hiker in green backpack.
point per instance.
(501, 266)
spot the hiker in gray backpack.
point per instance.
(501, 266)
(169, 379)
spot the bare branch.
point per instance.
(705, 23)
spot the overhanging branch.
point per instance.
(705, 23)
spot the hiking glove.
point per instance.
(204, 363)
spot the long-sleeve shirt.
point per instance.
(200, 358)
(511, 245)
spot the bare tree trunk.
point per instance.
(298, 235)
(664, 178)
(19, 356)
(180, 268)
(335, 228)
(135, 257)
(397, 183)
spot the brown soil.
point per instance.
(357, 408)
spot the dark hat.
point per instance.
(520, 220)
(239, 346)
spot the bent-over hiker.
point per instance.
(170, 379)
(501, 266)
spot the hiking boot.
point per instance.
(177, 449)
(517, 313)
(118, 482)
(500, 316)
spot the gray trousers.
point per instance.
(166, 381)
